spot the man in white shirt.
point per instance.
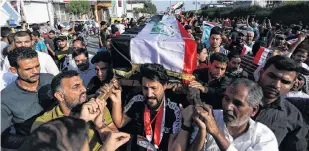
(86, 70)
(120, 26)
(297, 90)
(69, 62)
(23, 39)
(232, 129)
(6, 78)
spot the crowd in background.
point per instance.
(52, 88)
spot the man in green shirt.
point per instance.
(68, 89)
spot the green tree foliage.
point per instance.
(78, 7)
(149, 8)
(289, 13)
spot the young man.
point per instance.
(85, 68)
(104, 72)
(50, 42)
(233, 128)
(215, 42)
(68, 89)
(233, 67)
(155, 118)
(63, 51)
(25, 98)
(103, 34)
(39, 43)
(284, 119)
(23, 39)
(211, 82)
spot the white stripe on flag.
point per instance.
(159, 43)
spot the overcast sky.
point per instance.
(163, 4)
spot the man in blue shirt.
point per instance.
(39, 43)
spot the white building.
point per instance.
(130, 10)
(261, 3)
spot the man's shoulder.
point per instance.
(261, 132)
(7, 91)
(136, 100)
(44, 118)
(289, 108)
(46, 77)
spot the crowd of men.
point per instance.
(53, 92)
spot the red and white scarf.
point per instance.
(159, 126)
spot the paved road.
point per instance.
(93, 44)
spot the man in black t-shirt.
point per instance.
(63, 51)
(157, 121)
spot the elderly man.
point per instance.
(232, 129)
(249, 39)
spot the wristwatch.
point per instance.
(185, 128)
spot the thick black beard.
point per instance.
(155, 107)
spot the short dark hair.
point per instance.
(300, 50)
(21, 34)
(233, 55)
(36, 33)
(218, 57)
(103, 56)
(80, 51)
(11, 38)
(282, 63)
(103, 23)
(52, 31)
(56, 82)
(5, 31)
(199, 48)
(154, 72)
(216, 31)
(59, 134)
(21, 53)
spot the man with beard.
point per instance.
(237, 45)
(85, 68)
(233, 67)
(233, 128)
(284, 119)
(23, 99)
(68, 89)
(155, 118)
(211, 82)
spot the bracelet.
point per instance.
(185, 128)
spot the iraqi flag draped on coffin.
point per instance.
(163, 40)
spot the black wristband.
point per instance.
(185, 128)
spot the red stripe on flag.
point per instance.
(258, 55)
(190, 58)
(243, 52)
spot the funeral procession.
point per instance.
(154, 75)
